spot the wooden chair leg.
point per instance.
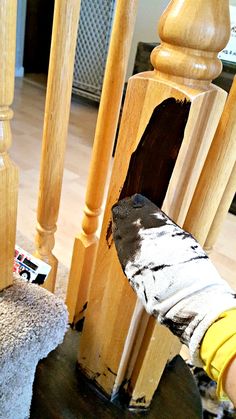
(85, 245)
(57, 110)
(8, 170)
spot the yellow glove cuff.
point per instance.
(218, 347)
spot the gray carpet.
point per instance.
(32, 323)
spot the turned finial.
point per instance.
(192, 34)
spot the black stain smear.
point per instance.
(151, 268)
(153, 161)
(96, 375)
(140, 400)
(109, 234)
(160, 267)
(84, 307)
(139, 271)
(126, 229)
(109, 369)
(145, 295)
(195, 258)
(183, 234)
(177, 325)
(79, 325)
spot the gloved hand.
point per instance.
(169, 271)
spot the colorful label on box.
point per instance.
(30, 268)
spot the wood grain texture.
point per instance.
(85, 245)
(197, 31)
(215, 174)
(109, 314)
(61, 392)
(106, 329)
(27, 133)
(155, 357)
(57, 110)
(8, 170)
(182, 66)
(180, 191)
(27, 127)
(221, 212)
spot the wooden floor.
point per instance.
(27, 133)
(60, 391)
(26, 149)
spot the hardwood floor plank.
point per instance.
(61, 392)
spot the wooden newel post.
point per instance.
(186, 59)
(57, 111)
(169, 120)
(85, 245)
(8, 171)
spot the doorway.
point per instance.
(38, 30)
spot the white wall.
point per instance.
(149, 12)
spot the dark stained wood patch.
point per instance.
(152, 163)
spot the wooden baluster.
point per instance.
(8, 170)
(221, 211)
(57, 110)
(179, 89)
(215, 174)
(85, 245)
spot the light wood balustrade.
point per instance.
(215, 177)
(57, 109)
(171, 148)
(85, 245)
(222, 210)
(8, 170)
(171, 114)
